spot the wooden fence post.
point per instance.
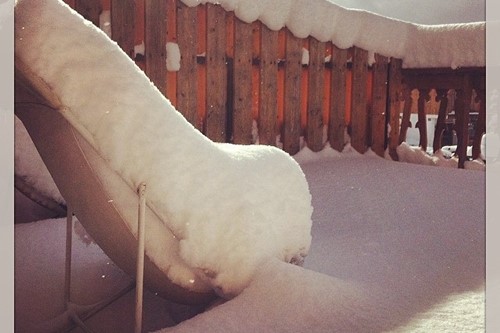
(187, 76)
(422, 118)
(123, 24)
(242, 69)
(315, 95)
(395, 85)
(462, 109)
(155, 12)
(359, 109)
(480, 125)
(408, 104)
(292, 96)
(379, 105)
(442, 96)
(216, 103)
(337, 124)
(268, 104)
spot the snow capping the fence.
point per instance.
(419, 46)
(231, 207)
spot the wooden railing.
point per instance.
(468, 85)
(244, 83)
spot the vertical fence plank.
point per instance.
(201, 68)
(123, 24)
(242, 86)
(171, 38)
(155, 12)
(268, 104)
(315, 95)
(89, 9)
(359, 115)
(379, 104)
(256, 38)
(292, 94)
(442, 97)
(395, 100)
(408, 105)
(187, 76)
(337, 124)
(480, 125)
(216, 103)
(423, 98)
(462, 109)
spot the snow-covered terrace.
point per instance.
(386, 253)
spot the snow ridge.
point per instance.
(450, 45)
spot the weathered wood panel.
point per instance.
(462, 109)
(336, 128)
(423, 98)
(171, 92)
(292, 94)
(442, 97)
(480, 125)
(359, 111)
(187, 77)
(268, 104)
(315, 95)
(379, 105)
(155, 38)
(405, 121)
(395, 100)
(216, 103)
(123, 24)
(242, 70)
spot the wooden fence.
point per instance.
(244, 83)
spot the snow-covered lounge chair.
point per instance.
(215, 212)
(72, 163)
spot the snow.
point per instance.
(245, 197)
(173, 57)
(423, 12)
(412, 154)
(385, 246)
(396, 247)
(444, 45)
(389, 251)
(139, 49)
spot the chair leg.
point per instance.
(140, 258)
(73, 315)
(76, 314)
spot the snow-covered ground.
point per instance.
(396, 247)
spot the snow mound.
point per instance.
(415, 155)
(231, 207)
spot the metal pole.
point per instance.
(140, 258)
